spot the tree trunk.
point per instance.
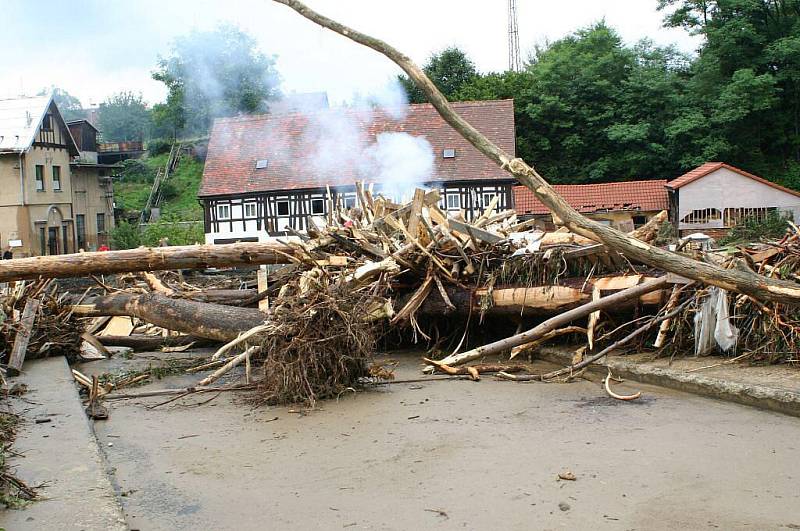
(530, 301)
(141, 342)
(202, 319)
(556, 322)
(742, 281)
(144, 259)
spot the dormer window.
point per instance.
(261, 164)
(448, 153)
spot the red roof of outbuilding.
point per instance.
(290, 143)
(708, 167)
(587, 198)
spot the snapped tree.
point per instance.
(742, 281)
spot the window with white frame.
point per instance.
(223, 212)
(350, 202)
(282, 207)
(317, 206)
(488, 197)
(249, 210)
(453, 201)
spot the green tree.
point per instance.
(124, 116)
(211, 74)
(745, 84)
(69, 105)
(449, 70)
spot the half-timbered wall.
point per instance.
(257, 217)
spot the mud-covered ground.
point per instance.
(454, 455)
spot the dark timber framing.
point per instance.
(278, 210)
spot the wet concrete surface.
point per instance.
(454, 455)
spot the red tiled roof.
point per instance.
(236, 144)
(587, 198)
(708, 167)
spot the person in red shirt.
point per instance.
(103, 247)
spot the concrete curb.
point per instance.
(64, 454)
(786, 401)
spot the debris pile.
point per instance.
(381, 272)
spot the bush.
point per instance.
(185, 233)
(754, 229)
(134, 170)
(125, 236)
(159, 146)
(169, 191)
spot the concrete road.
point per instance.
(456, 455)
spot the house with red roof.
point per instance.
(624, 205)
(265, 175)
(716, 196)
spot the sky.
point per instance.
(94, 48)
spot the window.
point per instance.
(223, 211)
(317, 206)
(80, 228)
(487, 199)
(703, 215)
(249, 210)
(453, 202)
(101, 223)
(39, 178)
(448, 153)
(57, 178)
(261, 164)
(638, 221)
(47, 123)
(349, 202)
(283, 208)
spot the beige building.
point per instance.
(54, 197)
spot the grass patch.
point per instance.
(180, 193)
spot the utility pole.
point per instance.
(514, 60)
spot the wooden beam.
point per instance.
(22, 338)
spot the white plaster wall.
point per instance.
(724, 188)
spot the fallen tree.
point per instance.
(739, 280)
(202, 319)
(554, 323)
(145, 259)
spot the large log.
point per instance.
(739, 280)
(202, 319)
(141, 342)
(558, 321)
(531, 301)
(145, 259)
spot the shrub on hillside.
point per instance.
(125, 236)
(158, 146)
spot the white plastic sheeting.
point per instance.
(712, 324)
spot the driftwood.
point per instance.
(739, 280)
(145, 259)
(142, 342)
(23, 337)
(554, 323)
(202, 319)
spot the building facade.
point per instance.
(716, 196)
(49, 185)
(258, 183)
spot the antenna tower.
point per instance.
(514, 60)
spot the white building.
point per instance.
(716, 196)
